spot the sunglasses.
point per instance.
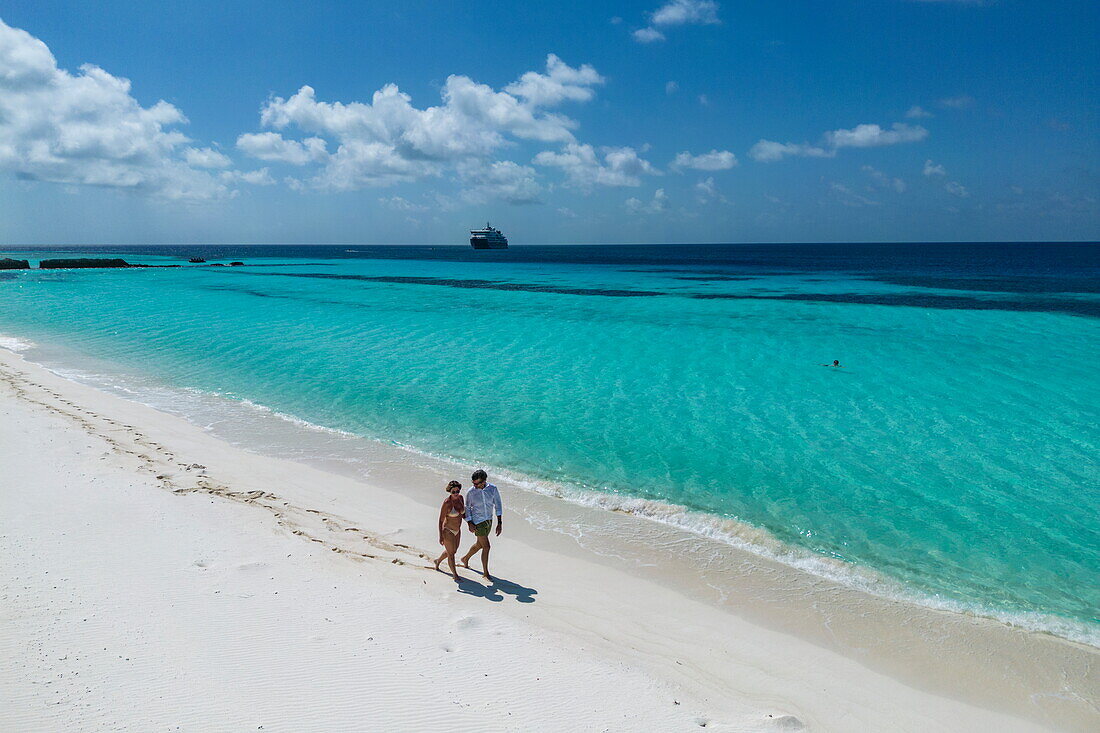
(453, 491)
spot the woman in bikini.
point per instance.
(450, 525)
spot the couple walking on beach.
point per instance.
(482, 501)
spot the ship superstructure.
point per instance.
(488, 238)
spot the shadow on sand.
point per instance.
(496, 590)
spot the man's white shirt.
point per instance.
(481, 503)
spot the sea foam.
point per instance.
(13, 343)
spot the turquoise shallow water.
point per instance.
(955, 453)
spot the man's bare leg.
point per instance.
(470, 553)
(485, 559)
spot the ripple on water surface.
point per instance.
(954, 455)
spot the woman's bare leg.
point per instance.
(451, 563)
(450, 544)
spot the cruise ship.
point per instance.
(488, 238)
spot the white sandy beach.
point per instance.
(155, 577)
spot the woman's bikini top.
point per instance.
(457, 505)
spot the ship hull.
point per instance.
(477, 243)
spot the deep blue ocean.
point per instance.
(955, 453)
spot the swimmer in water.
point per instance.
(835, 364)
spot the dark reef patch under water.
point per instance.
(1024, 269)
(714, 278)
(1069, 306)
(475, 284)
(1022, 284)
(928, 300)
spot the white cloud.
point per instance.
(703, 100)
(648, 35)
(706, 191)
(933, 169)
(676, 13)
(656, 205)
(868, 136)
(87, 129)
(442, 202)
(471, 121)
(206, 158)
(848, 197)
(884, 180)
(504, 180)
(389, 140)
(715, 160)
(584, 168)
(274, 147)
(860, 136)
(261, 177)
(671, 87)
(768, 151)
(686, 12)
(357, 164)
(936, 170)
(956, 189)
(560, 82)
(917, 112)
(401, 204)
(567, 212)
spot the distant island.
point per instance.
(7, 263)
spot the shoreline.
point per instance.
(756, 631)
(708, 527)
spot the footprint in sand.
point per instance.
(783, 722)
(466, 623)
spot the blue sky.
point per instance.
(661, 121)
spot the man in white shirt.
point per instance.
(482, 501)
